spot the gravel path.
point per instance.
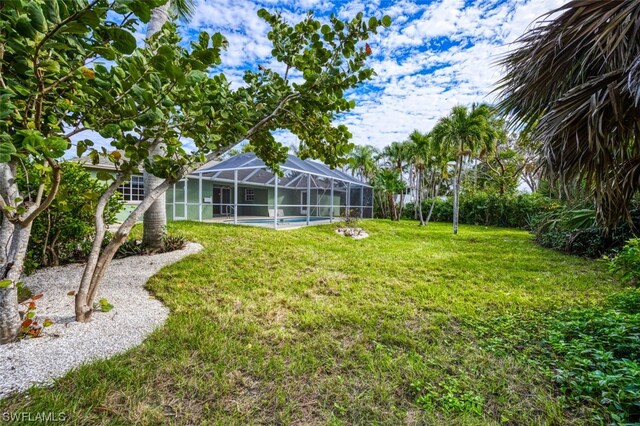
(67, 344)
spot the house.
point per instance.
(242, 190)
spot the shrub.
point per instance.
(174, 242)
(575, 231)
(626, 264)
(513, 211)
(135, 248)
(63, 233)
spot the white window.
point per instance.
(249, 194)
(133, 190)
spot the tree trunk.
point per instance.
(99, 260)
(392, 208)
(9, 316)
(155, 218)
(6, 233)
(419, 197)
(433, 203)
(456, 194)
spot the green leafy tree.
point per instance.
(159, 94)
(574, 81)
(529, 149)
(465, 134)
(430, 171)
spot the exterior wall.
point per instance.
(261, 196)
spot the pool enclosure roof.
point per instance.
(254, 166)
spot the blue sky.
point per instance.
(437, 53)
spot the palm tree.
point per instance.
(574, 81)
(420, 156)
(431, 169)
(466, 134)
(155, 218)
(362, 162)
(389, 183)
(396, 156)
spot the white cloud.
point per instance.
(443, 57)
(436, 55)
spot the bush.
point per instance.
(626, 264)
(135, 248)
(64, 232)
(575, 231)
(512, 211)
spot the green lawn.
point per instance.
(307, 327)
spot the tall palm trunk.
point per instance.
(155, 218)
(419, 196)
(392, 206)
(382, 203)
(456, 194)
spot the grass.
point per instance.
(307, 327)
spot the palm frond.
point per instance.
(574, 83)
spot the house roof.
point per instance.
(105, 164)
(249, 161)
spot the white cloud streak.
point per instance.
(437, 54)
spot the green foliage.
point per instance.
(500, 171)
(24, 292)
(130, 247)
(362, 162)
(599, 350)
(448, 396)
(591, 353)
(174, 242)
(575, 230)
(389, 183)
(102, 305)
(63, 233)
(511, 211)
(626, 263)
(134, 247)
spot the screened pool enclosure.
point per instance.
(242, 190)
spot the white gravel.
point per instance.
(67, 344)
